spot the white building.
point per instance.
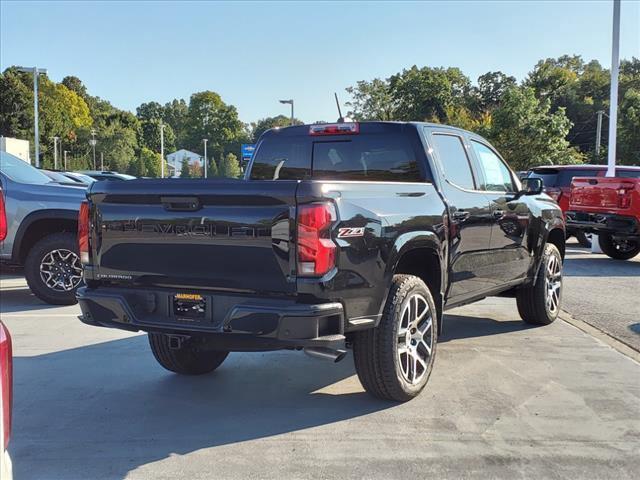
(176, 159)
(14, 146)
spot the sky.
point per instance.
(255, 53)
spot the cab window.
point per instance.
(496, 177)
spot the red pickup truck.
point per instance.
(610, 208)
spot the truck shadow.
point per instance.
(102, 410)
(600, 267)
(457, 327)
(20, 299)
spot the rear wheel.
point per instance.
(539, 303)
(53, 269)
(619, 248)
(189, 359)
(394, 360)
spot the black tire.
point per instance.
(375, 351)
(583, 240)
(61, 242)
(624, 250)
(187, 360)
(533, 306)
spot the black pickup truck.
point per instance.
(347, 235)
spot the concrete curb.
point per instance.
(614, 343)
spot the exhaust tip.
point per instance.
(325, 353)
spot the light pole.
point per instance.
(599, 133)
(290, 102)
(65, 160)
(55, 152)
(93, 142)
(205, 140)
(35, 71)
(161, 150)
(613, 101)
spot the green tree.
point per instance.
(119, 143)
(528, 134)
(176, 114)
(372, 100)
(491, 87)
(16, 106)
(151, 136)
(212, 169)
(229, 166)
(185, 171)
(151, 162)
(209, 117)
(629, 136)
(265, 124)
(150, 111)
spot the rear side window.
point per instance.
(454, 160)
(282, 158)
(497, 177)
(548, 176)
(380, 157)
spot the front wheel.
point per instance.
(394, 360)
(188, 359)
(619, 248)
(539, 303)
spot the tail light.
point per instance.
(3, 218)
(335, 129)
(624, 195)
(83, 232)
(316, 250)
(6, 382)
(553, 192)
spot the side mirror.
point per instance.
(531, 186)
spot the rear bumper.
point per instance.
(603, 223)
(233, 322)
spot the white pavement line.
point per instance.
(614, 343)
(26, 315)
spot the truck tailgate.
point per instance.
(603, 193)
(219, 234)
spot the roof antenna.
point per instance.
(340, 118)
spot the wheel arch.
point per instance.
(38, 225)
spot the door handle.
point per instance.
(460, 215)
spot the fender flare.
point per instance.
(49, 214)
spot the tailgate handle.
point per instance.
(181, 204)
(593, 181)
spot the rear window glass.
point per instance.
(628, 173)
(561, 178)
(282, 158)
(388, 157)
(20, 171)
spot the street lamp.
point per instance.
(35, 71)
(290, 102)
(162, 125)
(205, 140)
(65, 160)
(55, 152)
(93, 142)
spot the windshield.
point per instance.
(20, 171)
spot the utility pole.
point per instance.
(162, 150)
(613, 100)
(93, 145)
(205, 140)
(55, 152)
(65, 160)
(290, 102)
(35, 71)
(599, 133)
(101, 161)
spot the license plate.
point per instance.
(189, 306)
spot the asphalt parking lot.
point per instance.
(505, 401)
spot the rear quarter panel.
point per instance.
(396, 218)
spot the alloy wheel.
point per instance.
(553, 283)
(61, 270)
(415, 339)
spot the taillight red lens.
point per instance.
(6, 379)
(553, 192)
(316, 250)
(335, 129)
(3, 218)
(83, 232)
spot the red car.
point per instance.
(6, 387)
(610, 208)
(557, 184)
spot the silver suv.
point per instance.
(38, 229)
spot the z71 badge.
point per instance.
(350, 232)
